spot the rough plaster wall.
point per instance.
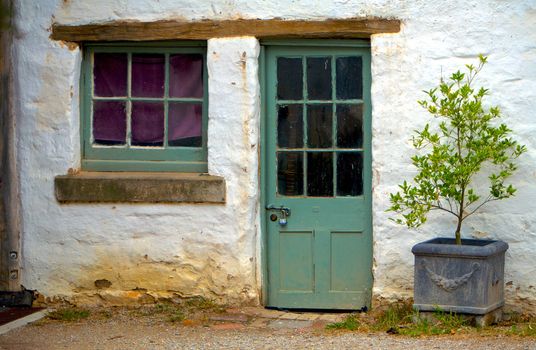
(207, 250)
(188, 250)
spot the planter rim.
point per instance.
(469, 247)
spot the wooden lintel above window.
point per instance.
(206, 29)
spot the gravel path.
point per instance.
(148, 334)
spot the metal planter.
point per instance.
(467, 278)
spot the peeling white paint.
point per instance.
(214, 250)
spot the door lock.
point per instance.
(283, 211)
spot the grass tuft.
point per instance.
(441, 323)
(200, 303)
(523, 330)
(350, 323)
(68, 314)
(393, 317)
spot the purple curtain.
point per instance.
(147, 118)
(184, 124)
(148, 75)
(186, 75)
(110, 74)
(147, 123)
(109, 122)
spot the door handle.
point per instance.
(282, 209)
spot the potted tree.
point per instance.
(465, 142)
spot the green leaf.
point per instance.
(462, 140)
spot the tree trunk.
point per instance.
(458, 233)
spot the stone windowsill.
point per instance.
(132, 187)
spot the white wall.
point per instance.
(213, 250)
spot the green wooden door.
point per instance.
(317, 163)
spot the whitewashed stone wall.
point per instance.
(214, 250)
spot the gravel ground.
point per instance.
(148, 334)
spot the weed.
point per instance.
(105, 314)
(68, 314)
(177, 316)
(350, 323)
(523, 330)
(203, 304)
(393, 317)
(440, 323)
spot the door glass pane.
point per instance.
(290, 126)
(109, 122)
(319, 126)
(184, 124)
(148, 73)
(290, 173)
(319, 78)
(349, 126)
(350, 174)
(147, 124)
(289, 78)
(320, 174)
(186, 75)
(349, 78)
(110, 74)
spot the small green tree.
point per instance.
(465, 138)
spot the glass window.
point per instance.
(144, 107)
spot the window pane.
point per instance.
(290, 126)
(110, 74)
(349, 126)
(349, 78)
(147, 124)
(186, 75)
(289, 78)
(320, 174)
(319, 126)
(109, 122)
(184, 124)
(319, 78)
(290, 173)
(350, 174)
(148, 73)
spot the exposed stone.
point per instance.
(229, 318)
(286, 324)
(228, 326)
(139, 187)
(104, 283)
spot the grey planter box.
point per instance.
(467, 278)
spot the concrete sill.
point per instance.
(132, 187)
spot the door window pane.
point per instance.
(319, 78)
(184, 124)
(148, 73)
(147, 123)
(349, 78)
(290, 173)
(110, 74)
(186, 75)
(290, 126)
(289, 78)
(350, 174)
(320, 174)
(319, 126)
(350, 126)
(109, 122)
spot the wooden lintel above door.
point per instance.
(206, 29)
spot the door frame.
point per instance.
(367, 142)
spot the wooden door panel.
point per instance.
(318, 164)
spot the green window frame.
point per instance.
(137, 158)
